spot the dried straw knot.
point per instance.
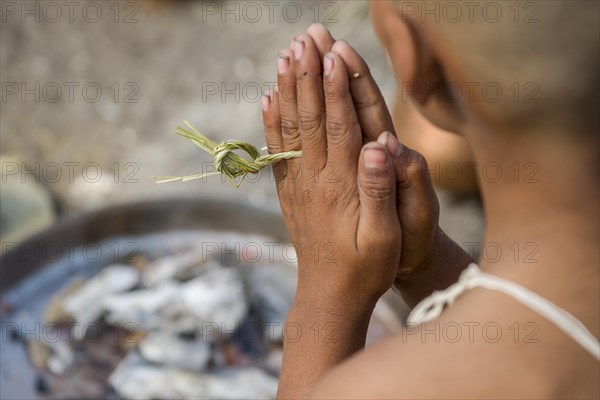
(226, 161)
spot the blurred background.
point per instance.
(134, 80)
(91, 91)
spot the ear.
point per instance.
(421, 74)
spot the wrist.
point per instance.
(441, 268)
(326, 323)
(331, 302)
(318, 334)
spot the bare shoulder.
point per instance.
(485, 345)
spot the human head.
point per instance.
(454, 56)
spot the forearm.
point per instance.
(446, 263)
(321, 331)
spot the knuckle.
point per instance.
(338, 131)
(335, 91)
(377, 189)
(308, 193)
(331, 195)
(289, 127)
(367, 102)
(308, 122)
(287, 92)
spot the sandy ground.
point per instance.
(91, 94)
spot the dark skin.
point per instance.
(327, 176)
(353, 171)
(416, 202)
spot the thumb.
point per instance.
(377, 192)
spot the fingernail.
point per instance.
(328, 61)
(394, 146)
(383, 138)
(266, 100)
(276, 88)
(298, 48)
(374, 157)
(320, 25)
(283, 63)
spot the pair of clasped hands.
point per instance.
(359, 206)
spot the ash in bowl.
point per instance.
(187, 315)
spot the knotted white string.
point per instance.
(431, 307)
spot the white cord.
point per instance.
(431, 307)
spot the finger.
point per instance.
(416, 201)
(272, 125)
(343, 131)
(377, 192)
(272, 122)
(373, 114)
(286, 84)
(322, 38)
(311, 106)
